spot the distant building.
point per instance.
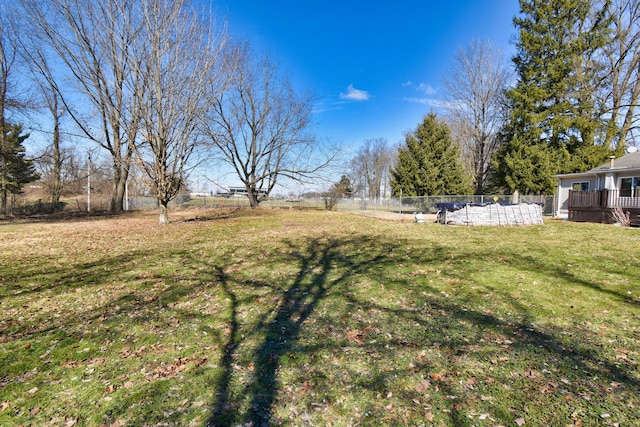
(239, 191)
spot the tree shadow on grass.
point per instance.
(223, 402)
(316, 262)
(538, 260)
(456, 325)
(331, 267)
(461, 334)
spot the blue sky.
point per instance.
(374, 66)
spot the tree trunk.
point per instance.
(56, 188)
(4, 176)
(628, 120)
(4, 173)
(164, 213)
(3, 201)
(253, 198)
(120, 177)
(479, 184)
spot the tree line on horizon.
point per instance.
(160, 87)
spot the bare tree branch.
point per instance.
(260, 126)
(620, 86)
(475, 86)
(92, 42)
(178, 74)
(370, 168)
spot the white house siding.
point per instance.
(610, 181)
(565, 184)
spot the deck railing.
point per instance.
(601, 199)
(585, 199)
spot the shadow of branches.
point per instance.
(281, 330)
(413, 318)
(325, 326)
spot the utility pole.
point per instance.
(126, 194)
(88, 182)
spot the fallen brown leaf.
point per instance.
(423, 386)
(436, 377)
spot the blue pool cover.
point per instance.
(454, 206)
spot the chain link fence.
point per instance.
(390, 208)
(403, 208)
(406, 207)
(385, 208)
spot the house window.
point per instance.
(580, 186)
(630, 187)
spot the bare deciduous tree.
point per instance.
(44, 78)
(59, 172)
(370, 167)
(55, 183)
(260, 124)
(7, 59)
(92, 41)
(475, 85)
(12, 99)
(177, 67)
(621, 82)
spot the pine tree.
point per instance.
(555, 48)
(429, 163)
(554, 118)
(15, 169)
(525, 167)
(343, 188)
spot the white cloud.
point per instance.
(426, 88)
(434, 103)
(424, 101)
(322, 106)
(427, 97)
(354, 94)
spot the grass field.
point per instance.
(296, 318)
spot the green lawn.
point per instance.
(313, 318)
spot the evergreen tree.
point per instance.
(554, 62)
(343, 188)
(554, 118)
(528, 168)
(15, 169)
(429, 163)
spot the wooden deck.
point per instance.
(598, 206)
